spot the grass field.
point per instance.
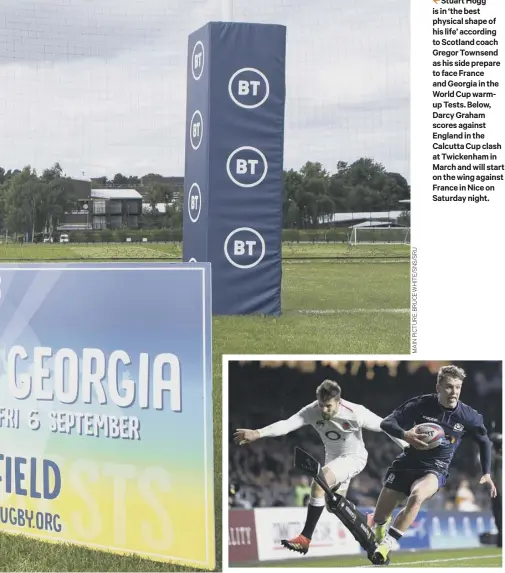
(128, 251)
(474, 557)
(336, 300)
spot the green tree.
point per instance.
(58, 200)
(306, 196)
(133, 181)
(55, 172)
(292, 187)
(99, 182)
(120, 180)
(21, 201)
(33, 204)
(174, 214)
(2, 206)
(158, 193)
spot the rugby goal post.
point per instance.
(380, 236)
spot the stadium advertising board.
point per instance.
(106, 408)
(416, 536)
(255, 534)
(242, 542)
(273, 524)
(455, 529)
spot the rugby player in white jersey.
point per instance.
(339, 424)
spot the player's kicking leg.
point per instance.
(386, 504)
(421, 490)
(338, 471)
(301, 542)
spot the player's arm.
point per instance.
(280, 428)
(404, 417)
(478, 433)
(370, 421)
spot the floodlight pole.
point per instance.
(227, 10)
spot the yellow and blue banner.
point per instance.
(106, 408)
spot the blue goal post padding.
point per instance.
(233, 181)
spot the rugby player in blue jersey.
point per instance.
(418, 473)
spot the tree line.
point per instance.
(33, 203)
(312, 193)
(30, 203)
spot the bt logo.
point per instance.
(247, 166)
(249, 88)
(196, 130)
(244, 248)
(194, 202)
(197, 60)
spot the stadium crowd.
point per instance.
(262, 474)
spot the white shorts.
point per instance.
(344, 468)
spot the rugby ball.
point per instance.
(431, 434)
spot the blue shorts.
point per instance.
(402, 480)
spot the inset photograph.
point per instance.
(348, 463)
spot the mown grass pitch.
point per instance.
(336, 300)
(473, 557)
(328, 308)
(145, 251)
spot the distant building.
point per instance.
(102, 208)
(364, 218)
(116, 208)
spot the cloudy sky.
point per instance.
(100, 85)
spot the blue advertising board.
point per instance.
(106, 411)
(233, 195)
(416, 537)
(444, 529)
(454, 529)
